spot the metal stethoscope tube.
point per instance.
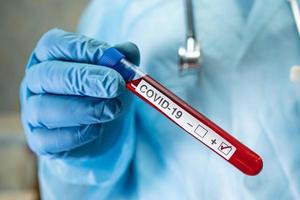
(295, 70)
(296, 13)
(189, 56)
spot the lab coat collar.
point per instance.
(262, 12)
(228, 13)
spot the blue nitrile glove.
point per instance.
(71, 105)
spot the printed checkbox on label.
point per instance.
(225, 148)
(200, 131)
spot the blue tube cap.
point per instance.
(112, 58)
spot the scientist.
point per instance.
(94, 140)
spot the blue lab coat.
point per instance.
(243, 85)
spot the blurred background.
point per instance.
(22, 24)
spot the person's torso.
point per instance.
(243, 85)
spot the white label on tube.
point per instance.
(185, 120)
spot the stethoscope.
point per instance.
(190, 55)
(295, 70)
(296, 13)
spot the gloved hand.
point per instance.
(67, 97)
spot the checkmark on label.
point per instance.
(225, 148)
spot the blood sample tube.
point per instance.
(186, 117)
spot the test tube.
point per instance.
(186, 117)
